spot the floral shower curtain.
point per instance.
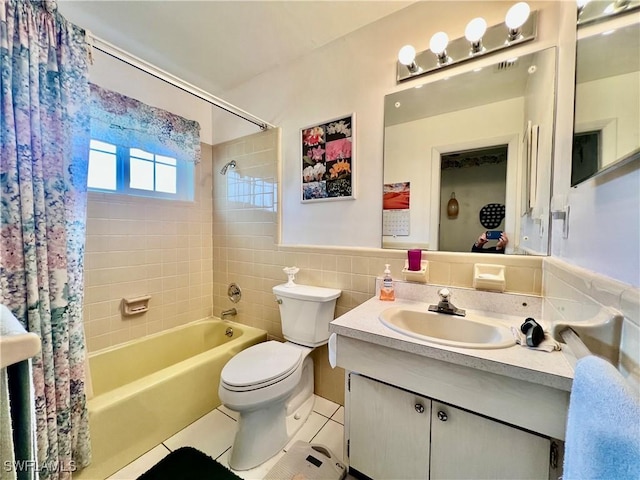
(44, 98)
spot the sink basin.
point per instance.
(471, 331)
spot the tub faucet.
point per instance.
(445, 305)
(232, 312)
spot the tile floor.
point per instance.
(325, 425)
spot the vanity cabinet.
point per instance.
(395, 433)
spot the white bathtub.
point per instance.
(148, 389)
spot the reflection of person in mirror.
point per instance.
(478, 247)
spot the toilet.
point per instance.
(271, 384)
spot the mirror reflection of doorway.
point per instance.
(478, 177)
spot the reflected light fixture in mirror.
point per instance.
(590, 11)
(520, 26)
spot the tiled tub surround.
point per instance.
(573, 294)
(142, 246)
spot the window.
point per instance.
(135, 171)
(139, 149)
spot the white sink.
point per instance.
(471, 331)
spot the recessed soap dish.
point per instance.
(135, 306)
(489, 277)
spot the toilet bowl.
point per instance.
(273, 401)
(271, 384)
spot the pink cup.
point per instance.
(415, 260)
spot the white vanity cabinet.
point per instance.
(397, 434)
(388, 430)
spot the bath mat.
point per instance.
(187, 463)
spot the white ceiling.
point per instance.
(217, 45)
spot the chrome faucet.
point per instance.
(445, 305)
(232, 312)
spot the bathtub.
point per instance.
(148, 389)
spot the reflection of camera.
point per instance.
(493, 235)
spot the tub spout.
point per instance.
(232, 312)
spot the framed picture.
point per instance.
(328, 158)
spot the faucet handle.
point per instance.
(444, 293)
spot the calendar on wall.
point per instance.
(395, 204)
(395, 222)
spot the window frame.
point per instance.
(185, 172)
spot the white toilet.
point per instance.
(271, 384)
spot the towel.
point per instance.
(603, 427)
(9, 324)
(547, 345)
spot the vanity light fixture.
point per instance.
(407, 57)
(438, 45)
(474, 32)
(521, 26)
(515, 18)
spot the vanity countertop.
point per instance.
(551, 369)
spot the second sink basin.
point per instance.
(471, 331)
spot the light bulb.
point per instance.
(438, 43)
(407, 55)
(517, 15)
(475, 29)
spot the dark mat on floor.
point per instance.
(187, 463)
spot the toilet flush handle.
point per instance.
(279, 301)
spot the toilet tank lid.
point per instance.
(307, 292)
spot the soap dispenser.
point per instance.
(386, 291)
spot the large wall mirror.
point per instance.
(472, 153)
(607, 102)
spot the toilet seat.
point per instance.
(260, 366)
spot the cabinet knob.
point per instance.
(419, 408)
(442, 416)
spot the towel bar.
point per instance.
(572, 339)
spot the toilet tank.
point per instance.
(305, 312)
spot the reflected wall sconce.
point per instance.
(520, 26)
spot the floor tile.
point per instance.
(309, 429)
(332, 437)
(227, 411)
(142, 464)
(339, 416)
(325, 407)
(211, 434)
(257, 473)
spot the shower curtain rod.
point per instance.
(118, 53)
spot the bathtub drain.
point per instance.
(229, 332)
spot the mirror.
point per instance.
(607, 101)
(472, 153)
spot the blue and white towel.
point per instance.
(603, 427)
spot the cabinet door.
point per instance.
(464, 445)
(388, 431)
